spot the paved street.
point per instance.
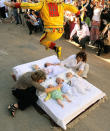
(17, 47)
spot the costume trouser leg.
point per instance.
(48, 38)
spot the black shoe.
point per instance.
(30, 33)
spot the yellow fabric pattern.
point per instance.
(47, 97)
(70, 8)
(33, 6)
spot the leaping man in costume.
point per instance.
(52, 14)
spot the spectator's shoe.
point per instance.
(30, 32)
(58, 51)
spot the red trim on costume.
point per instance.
(17, 5)
(78, 13)
(53, 9)
(52, 45)
(44, 37)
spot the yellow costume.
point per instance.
(52, 14)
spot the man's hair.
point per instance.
(38, 75)
(82, 55)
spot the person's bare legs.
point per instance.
(60, 103)
(66, 97)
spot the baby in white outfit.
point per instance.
(77, 84)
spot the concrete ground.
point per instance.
(17, 47)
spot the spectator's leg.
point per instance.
(75, 38)
(2, 10)
(30, 27)
(100, 45)
(83, 42)
(15, 13)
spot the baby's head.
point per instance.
(69, 75)
(47, 64)
(59, 80)
(50, 86)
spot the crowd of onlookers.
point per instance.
(27, 17)
(92, 26)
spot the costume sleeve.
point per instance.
(71, 8)
(26, 5)
(48, 97)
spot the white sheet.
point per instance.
(80, 102)
(27, 67)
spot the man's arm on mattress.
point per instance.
(71, 8)
(25, 5)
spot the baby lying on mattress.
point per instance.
(51, 69)
(77, 84)
(60, 93)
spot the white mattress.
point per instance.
(27, 67)
(80, 102)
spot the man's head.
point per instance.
(38, 76)
(81, 56)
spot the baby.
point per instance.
(50, 69)
(77, 83)
(66, 89)
(56, 95)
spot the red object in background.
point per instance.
(103, 2)
(72, 24)
(17, 5)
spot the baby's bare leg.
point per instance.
(66, 97)
(60, 103)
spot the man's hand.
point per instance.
(79, 38)
(70, 38)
